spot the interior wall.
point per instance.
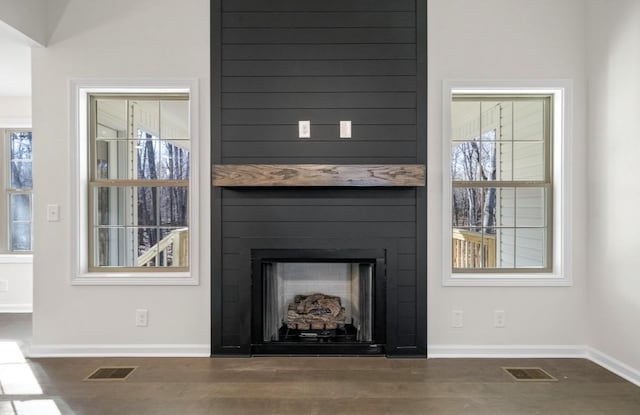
(614, 190)
(118, 39)
(497, 40)
(16, 282)
(15, 112)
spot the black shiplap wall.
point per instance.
(279, 61)
(324, 61)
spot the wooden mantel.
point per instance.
(274, 175)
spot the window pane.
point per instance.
(147, 157)
(530, 207)
(528, 120)
(467, 207)
(141, 139)
(504, 162)
(175, 160)
(474, 249)
(465, 120)
(506, 248)
(126, 206)
(20, 222)
(174, 209)
(174, 247)
(110, 247)
(499, 227)
(146, 116)
(506, 204)
(20, 207)
(111, 115)
(21, 236)
(20, 143)
(530, 252)
(528, 161)
(474, 160)
(174, 124)
(111, 159)
(475, 207)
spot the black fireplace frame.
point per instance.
(377, 257)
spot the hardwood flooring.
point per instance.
(310, 385)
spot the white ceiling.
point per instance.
(15, 62)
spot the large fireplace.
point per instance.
(318, 301)
(318, 270)
(318, 148)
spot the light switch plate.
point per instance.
(304, 129)
(53, 213)
(4, 285)
(345, 129)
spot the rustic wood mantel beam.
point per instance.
(274, 175)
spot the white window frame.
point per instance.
(5, 177)
(80, 90)
(561, 92)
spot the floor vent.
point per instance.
(529, 374)
(111, 373)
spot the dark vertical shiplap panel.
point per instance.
(279, 61)
(322, 61)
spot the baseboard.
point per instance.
(120, 350)
(536, 351)
(506, 351)
(621, 369)
(16, 308)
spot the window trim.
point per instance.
(81, 275)
(561, 91)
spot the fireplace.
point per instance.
(318, 301)
(331, 227)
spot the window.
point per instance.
(17, 198)
(503, 193)
(135, 187)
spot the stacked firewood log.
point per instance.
(315, 312)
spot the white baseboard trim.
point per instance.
(16, 308)
(507, 351)
(120, 350)
(16, 259)
(621, 369)
(537, 351)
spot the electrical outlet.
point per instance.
(142, 317)
(4, 285)
(457, 318)
(499, 319)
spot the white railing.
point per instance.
(174, 247)
(473, 249)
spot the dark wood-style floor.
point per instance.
(297, 385)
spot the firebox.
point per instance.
(318, 301)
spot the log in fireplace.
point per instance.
(318, 301)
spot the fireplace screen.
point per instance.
(317, 301)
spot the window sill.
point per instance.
(135, 278)
(16, 258)
(506, 280)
